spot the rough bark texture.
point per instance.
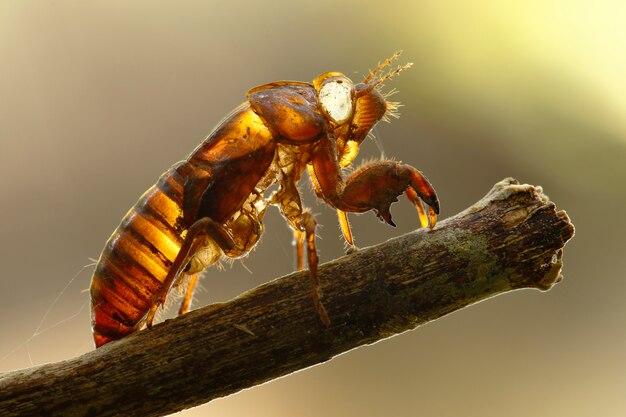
(511, 239)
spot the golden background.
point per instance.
(98, 98)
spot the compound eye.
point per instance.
(336, 97)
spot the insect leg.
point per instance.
(342, 216)
(374, 186)
(288, 200)
(307, 221)
(419, 205)
(345, 229)
(378, 184)
(186, 303)
(202, 228)
(298, 238)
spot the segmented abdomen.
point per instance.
(136, 258)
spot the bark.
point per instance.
(511, 239)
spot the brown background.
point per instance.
(98, 98)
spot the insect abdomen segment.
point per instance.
(136, 259)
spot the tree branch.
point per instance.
(511, 239)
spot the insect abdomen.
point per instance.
(135, 260)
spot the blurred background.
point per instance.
(98, 98)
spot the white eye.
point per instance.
(336, 99)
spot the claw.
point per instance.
(422, 213)
(419, 205)
(423, 188)
(377, 185)
(432, 216)
(386, 217)
(382, 211)
(419, 192)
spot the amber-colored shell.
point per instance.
(212, 204)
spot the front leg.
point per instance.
(342, 216)
(374, 186)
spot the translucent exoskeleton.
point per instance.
(212, 204)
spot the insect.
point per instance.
(212, 204)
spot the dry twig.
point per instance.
(511, 239)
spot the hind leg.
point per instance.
(204, 232)
(243, 231)
(185, 305)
